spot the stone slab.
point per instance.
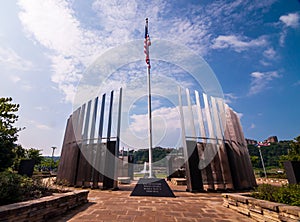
(152, 187)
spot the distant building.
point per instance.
(250, 141)
(272, 139)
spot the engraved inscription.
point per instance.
(152, 187)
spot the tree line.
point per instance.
(12, 153)
(274, 154)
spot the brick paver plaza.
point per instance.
(120, 206)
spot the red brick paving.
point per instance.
(120, 206)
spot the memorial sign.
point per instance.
(26, 167)
(152, 187)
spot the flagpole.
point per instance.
(147, 41)
(262, 162)
(149, 122)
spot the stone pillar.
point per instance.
(79, 178)
(250, 172)
(207, 177)
(237, 144)
(231, 151)
(63, 163)
(109, 168)
(130, 165)
(111, 154)
(170, 170)
(219, 118)
(217, 171)
(93, 144)
(226, 172)
(99, 157)
(86, 149)
(193, 173)
(68, 163)
(232, 165)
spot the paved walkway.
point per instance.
(120, 206)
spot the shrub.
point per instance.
(287, 194)
(10, 187)
(15, 188)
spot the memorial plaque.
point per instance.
(26, 167)
(292, 169)
(152, 187)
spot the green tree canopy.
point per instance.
(35, 155)
(8, 132)
(271, 154)
(293, 151)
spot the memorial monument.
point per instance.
(215, 160)
(214, 157)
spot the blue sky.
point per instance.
(253, 48)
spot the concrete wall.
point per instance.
(44, 208)
(261, 210)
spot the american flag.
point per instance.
(259, 144)
(147, 43)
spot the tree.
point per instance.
(8, 132)
(35, 155)
(47, 163)
(271, 154)
(255, 161)
(19, 153)
(294, 151)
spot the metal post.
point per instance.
(262, 161)
(149, 122)
(53, 148)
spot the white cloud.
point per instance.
(72, 46)
(282, 37)
(188, 30)
(53, 25)
(261, 81)
(15, 78)
(270, 53)
(269, 56)
(229, 98)
(26, 86)
(43, 127)
(11, 60)
(166, 129)
(290, 20)
(257, 75)
(252, 126)
(40, 108)
(265, 63)
(22, 84)
(237, 43)
(32, 123)
(297, 83)
(240, 115)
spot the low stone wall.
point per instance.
(43, 208)
(261, 210)
(272, 181)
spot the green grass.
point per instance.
(159, 175)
